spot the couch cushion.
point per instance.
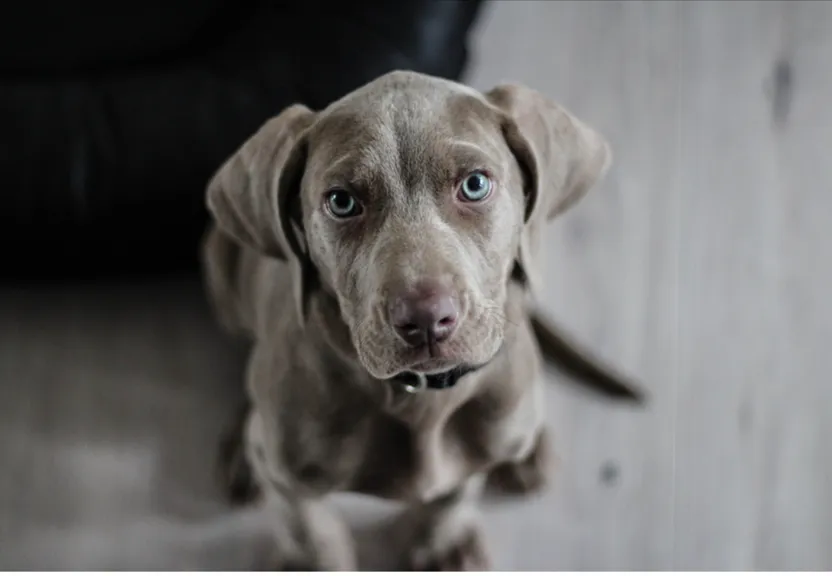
(41, 37)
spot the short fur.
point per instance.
(311, 291)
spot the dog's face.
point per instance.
(413, 207)
(411, 200)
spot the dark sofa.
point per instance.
(113, 115)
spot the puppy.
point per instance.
(381, 255)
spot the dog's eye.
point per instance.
(342, 204)
(475, 187)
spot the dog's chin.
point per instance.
(432, 366)
(439, 373)
(427, 367)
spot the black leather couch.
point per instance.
(113, 115)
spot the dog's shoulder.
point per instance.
(316, 416)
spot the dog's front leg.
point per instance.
(309, 534)
(529, 475)
(445, 534)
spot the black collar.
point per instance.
(413, 382)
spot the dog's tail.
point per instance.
(563, 353)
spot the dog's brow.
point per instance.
(350, 170)
(340, 165)
(468, 155)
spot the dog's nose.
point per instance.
(425, 316)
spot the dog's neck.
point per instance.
(413, 382)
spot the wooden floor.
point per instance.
(703, 267)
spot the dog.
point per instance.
(381, 256)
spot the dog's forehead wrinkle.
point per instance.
(402, 136)
(393, 86)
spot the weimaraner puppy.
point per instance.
(381, 255)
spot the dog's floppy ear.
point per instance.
(254, 196)
(561, 158)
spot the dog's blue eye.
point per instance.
(475, 187)
(342, 204)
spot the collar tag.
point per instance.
(415, 383)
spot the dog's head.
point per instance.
(412, 201)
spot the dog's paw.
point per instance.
(527, 476)
(465, 551)
(295, 566)
(312, 561)
(289, 563)
(291, 557)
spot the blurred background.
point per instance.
(701, 267)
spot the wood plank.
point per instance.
(750, 486)
(728, 264)
(794, 523)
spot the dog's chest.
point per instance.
(425, 452)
